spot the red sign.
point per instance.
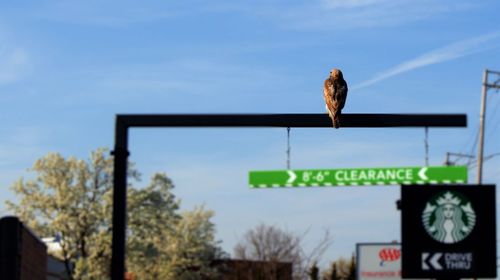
(389, 254)
(378, 261)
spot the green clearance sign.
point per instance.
(359, 176)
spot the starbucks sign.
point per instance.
(448, 231)
(449, 217)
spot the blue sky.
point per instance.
(68, 67)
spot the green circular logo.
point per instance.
(448, 217)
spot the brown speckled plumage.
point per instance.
(335, 93)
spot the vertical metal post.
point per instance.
(447, 160)
(426, 141)
(481, 128)
(288, 148)
(120, 153)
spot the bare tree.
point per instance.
(272, 244)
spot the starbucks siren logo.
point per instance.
(448, 217)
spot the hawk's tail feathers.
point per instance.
(336, 120)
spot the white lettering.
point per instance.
(371, 174)
(354, 175)
(380, 175)
(458, 257)
(409, 174)
(458, 261)
(391, 175)
(340, 175)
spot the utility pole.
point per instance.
(482, 116)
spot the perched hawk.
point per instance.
(335, 93)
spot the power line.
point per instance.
(474, 145)
(486, 158)
(491, 116)
(471, 142)
(470, 139)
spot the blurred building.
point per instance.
(23, 256)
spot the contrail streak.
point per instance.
(450, 52)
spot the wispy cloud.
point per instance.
(315, 14)
(213, 82)
(351, 14)
(104, 13)
(14, 63)
(453, 51)
(337, 4)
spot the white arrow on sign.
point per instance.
(424, 263)
(422, 175)
(292, 177)
(433, 262)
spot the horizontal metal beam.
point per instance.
(292, 120)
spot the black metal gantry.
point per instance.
(124, 122)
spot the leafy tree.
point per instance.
(272, 244)
(342, 269)
(72, 198)
(333, 273)
(351, 275)
(152, 216)
(189, 254)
